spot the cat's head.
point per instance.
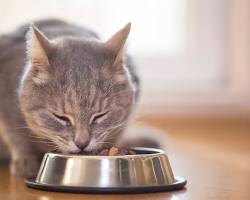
(75, 92)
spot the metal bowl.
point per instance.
(147, 171)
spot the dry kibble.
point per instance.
(104, 152)
(123, 152)
(114, 151)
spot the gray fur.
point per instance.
(79, 84)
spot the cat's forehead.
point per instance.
(80, 61)
(82, 51)
(78, 65)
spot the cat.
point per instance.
(63, 89)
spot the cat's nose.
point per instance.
(81, 141)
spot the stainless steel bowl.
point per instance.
(147, 171)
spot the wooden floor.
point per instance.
(214, 156)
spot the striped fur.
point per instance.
(75, 92)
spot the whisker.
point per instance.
(56, 149)
(17, 128)
(43, 142)
(117, 126)
(111, 143)
(53, 143)
(111, 131)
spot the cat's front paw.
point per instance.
(25, 166)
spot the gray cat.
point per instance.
(62, 89)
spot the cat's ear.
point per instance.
(38, 47)
(117, 43)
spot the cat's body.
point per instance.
(29, 89)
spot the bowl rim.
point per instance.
(158, 152)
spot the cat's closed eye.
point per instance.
(98, 117)
(63, 119)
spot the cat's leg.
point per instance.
(25, 159)
(24, 163)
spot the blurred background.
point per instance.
(193, 55)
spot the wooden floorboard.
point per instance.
(213, 155)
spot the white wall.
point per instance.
(189, 52)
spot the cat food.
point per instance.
(113, 151)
